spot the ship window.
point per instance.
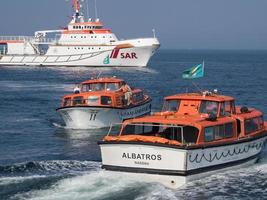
(67, 102)
(253, 124)
(208, 137)
(228, 130)
(93, 100)
(219, 132)
(77, 100)
(209, 107)
(106, 100)
(112, 86)
(227, 108)
(171, 105)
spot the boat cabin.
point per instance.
(194, 119)
(105, 92)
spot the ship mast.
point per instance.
(76, 7)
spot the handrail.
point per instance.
(28, 39)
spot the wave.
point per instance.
(18, 179)
(53, 166)
(96, 185)
(105, 185)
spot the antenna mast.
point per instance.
(76, 7)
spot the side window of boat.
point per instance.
(227, 108)
(218, 132)
(67, 102)
(208, 135)
(77, 100)
(229, 130)
(106, 100)
(253, 124)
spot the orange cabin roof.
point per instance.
(199, 96)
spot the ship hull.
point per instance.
(177, 165)
(87, 55)
(85, 117)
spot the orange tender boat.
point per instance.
(100, 102)
(195, 133)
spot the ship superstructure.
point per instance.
(81, 43)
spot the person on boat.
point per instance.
(77, 89)
(125, 88)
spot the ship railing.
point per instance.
(16, 38)
(45, 40)
(28, 39)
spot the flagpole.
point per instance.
(203, 67)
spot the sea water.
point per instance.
(40, 159)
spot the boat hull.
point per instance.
(172, 162)
(90, 56)
(85, 117)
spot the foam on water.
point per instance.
(95, 185)
(17, 179)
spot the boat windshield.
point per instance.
(93, 87)
(100, 87)
(185, 134)
(209, 107)
(171, 105)
(112, 86)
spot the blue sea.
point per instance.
(39, 159)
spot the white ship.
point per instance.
(81, 43)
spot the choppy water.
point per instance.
(40, 160)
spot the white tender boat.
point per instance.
(194, 135)
(100, 102)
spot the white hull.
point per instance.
(89, 55)
(175, 166)
(98, 117)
